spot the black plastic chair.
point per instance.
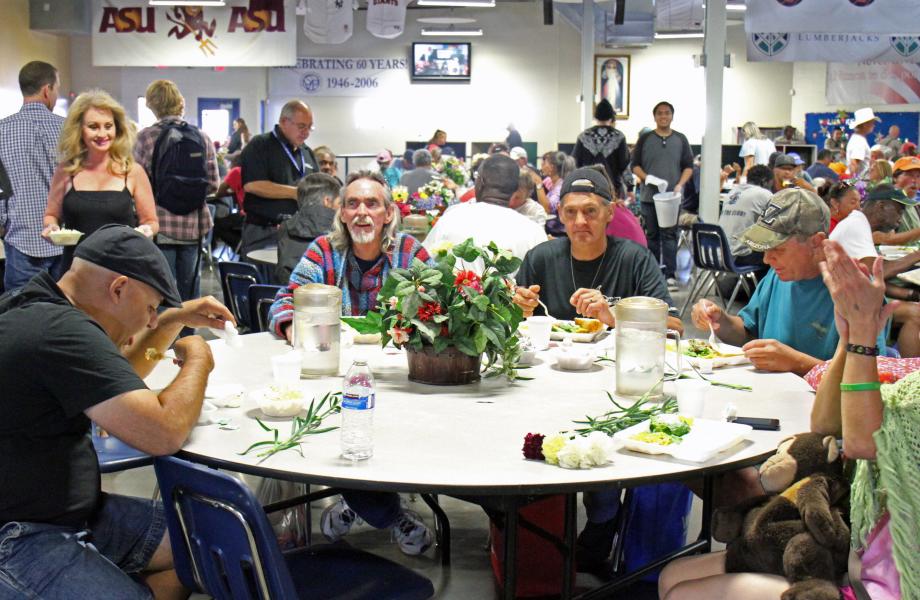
(224, 546)
(261, 296)
(713, 257)
(235, 279)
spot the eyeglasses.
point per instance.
(303, 127)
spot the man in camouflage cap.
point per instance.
(788, 325)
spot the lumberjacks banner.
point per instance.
(243, 33)
(318, 76)
(850, 30)
(873, 83)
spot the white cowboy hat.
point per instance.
(863, 115)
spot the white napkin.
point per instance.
(229, 334)
(657, 181)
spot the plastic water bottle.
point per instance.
(358, 401)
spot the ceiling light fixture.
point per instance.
(678, 35)
(451, 30)
(473, 3)
(186, 2)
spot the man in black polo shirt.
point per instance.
(70, 352)
(272, 164)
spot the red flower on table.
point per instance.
(428, 310)
(533, 446)
(468, 279)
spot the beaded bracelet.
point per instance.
(864, 350)
(869, 386)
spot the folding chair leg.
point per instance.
(728, 307)
(693, 293)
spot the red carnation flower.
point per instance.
(404, 209)
(468, 279)
(428, 310)
(533, 446)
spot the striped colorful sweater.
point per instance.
(321, 263)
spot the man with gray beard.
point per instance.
(357, 257)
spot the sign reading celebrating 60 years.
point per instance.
(130, 33)
(843, 31)
(319, 76)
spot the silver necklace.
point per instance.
(596, 273)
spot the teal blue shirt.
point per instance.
(799, 314)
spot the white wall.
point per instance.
(756, 91)
(19, 45)
(523, 72)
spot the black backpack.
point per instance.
(179, 173)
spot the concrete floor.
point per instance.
(470, 574)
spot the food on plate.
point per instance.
(665, 430)
(580, 325)
(281, 401)
(152, 354)
(65, 237)
(703, 349)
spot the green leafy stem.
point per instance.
(301, 427)
(624, 417)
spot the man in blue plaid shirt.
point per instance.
(28, 150)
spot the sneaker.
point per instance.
(336, 520)
(411, 533)
(672, 285)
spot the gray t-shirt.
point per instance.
(663, 157)
(745, 203)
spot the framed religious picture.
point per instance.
(611, 81)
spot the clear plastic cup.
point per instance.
(691, 396)
(539, 329)
(286, 367)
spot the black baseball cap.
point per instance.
(121, 249)
(587, 180)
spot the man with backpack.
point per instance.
(180, 160)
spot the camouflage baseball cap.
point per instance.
(792, 211)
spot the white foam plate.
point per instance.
(706, 439)
(719, 361)
(577, 337)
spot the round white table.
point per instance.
(467, 440)
(267, 256)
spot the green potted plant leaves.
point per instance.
(450, 315)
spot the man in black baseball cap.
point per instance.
(579, 276)
(78, 350)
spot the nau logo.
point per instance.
(310, 82)
(770, 44)
(905, 45)
(791, 2)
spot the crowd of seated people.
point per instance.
(573, 220)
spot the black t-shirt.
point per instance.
(264, 159)
(55, 362)
(628, 269)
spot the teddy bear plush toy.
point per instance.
(798, 529)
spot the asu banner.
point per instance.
(243, 33)
(833, 30)
(873, 83)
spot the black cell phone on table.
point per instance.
(759, 423)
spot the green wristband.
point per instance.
(869, 386)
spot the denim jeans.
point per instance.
(20, 268)
(51, 562)
(662, 242)
(378, 509)
(185, 264)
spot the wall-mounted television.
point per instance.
(434, 61)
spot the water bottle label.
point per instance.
(355, 402)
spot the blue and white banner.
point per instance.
(873, 84)
(129, 33)
(833, 16)
(833, 30)
(832, 47)
(326, 76)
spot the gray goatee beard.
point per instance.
(360, 237)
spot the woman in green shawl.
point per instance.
(880, 427)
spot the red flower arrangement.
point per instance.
(468, 279)
(428, 310)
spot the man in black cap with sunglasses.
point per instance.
(75, 351)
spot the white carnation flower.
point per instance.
(571, 455)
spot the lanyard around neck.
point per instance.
(301, 166)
